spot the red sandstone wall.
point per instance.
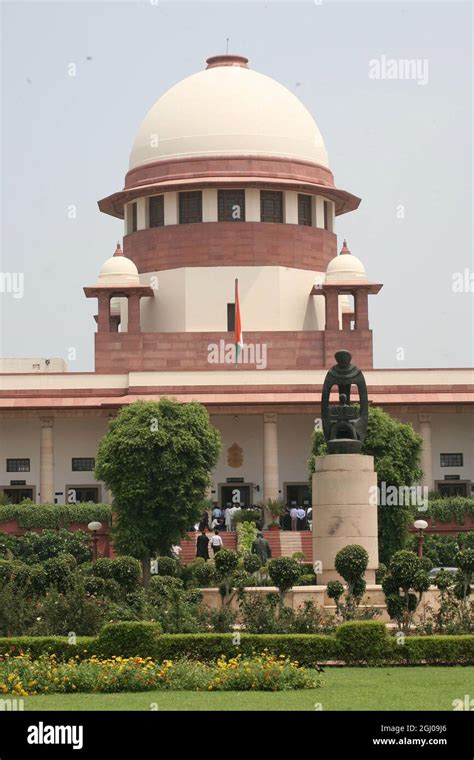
(230, 244)
(146, 352)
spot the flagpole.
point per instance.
(236, 301)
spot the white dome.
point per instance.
(118, 270)
(228, 110)
(345, 268)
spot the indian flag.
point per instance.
(239, 341)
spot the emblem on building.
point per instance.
(235, 456)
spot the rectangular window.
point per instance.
(156, 213)
(327, 216)
(190, 207)
(230, 317)
(18, 465)
(271, 206)
(304, 210)
(231, 205)
(452, 489)
(134, 217)
(83, 464)
(451, 460)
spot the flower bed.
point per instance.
(23, 676)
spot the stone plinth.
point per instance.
(342, 511)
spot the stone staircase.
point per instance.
(282, 544)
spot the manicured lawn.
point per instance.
(344, 689)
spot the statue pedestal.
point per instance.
(343, 488)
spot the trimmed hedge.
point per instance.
(436, 650)
(307, 649)
(364, 641)
(128, 639)
(28, 514)
(358, 642)
(38, 645)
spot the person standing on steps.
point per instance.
(202, 546)
(216, 542)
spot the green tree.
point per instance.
(396, 449)
(156, 458)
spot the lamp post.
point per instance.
(94, 526)
(420, 525)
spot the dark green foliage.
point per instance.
(29, 515)
(284, 572)
(178, 610)
(168, 566)
(59, 571)
(335, 590)
(363, 641)
(74, 610)
(308, 649)
(127, 572)
(156, 458)
(102, 568)
(128, 639)
(406, 575)
(251, 563)
(63, 647)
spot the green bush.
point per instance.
(436, 650)
(363, 641)
(39, 547)
(251, 563)
(59, 570)
(29, 515)
(127, 571)
(102, 568)
(63, 647)
(128, 639)
(284, 572)
(168, 566)
(205, 575)
(307, 649)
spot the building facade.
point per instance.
(229, 182)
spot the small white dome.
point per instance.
(228, 110)
(346, 304)
(345, 268)
(115, 310)
(118, 270)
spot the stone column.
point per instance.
(424, 421)
(332, 310)
(270, 457)
(47, 460)
(103, 317)
(361, 299)
(344, 511)
(133, 325)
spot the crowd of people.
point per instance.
(224, 519)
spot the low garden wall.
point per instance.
(373, 597)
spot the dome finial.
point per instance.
(118, 250)
(344, 248)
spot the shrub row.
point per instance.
(38, 645)
(30, 515)
(361, 642)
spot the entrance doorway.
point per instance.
(297, 495)
(237, 494)
(453, 487)
(16, 495)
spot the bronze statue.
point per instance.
(344, 426)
